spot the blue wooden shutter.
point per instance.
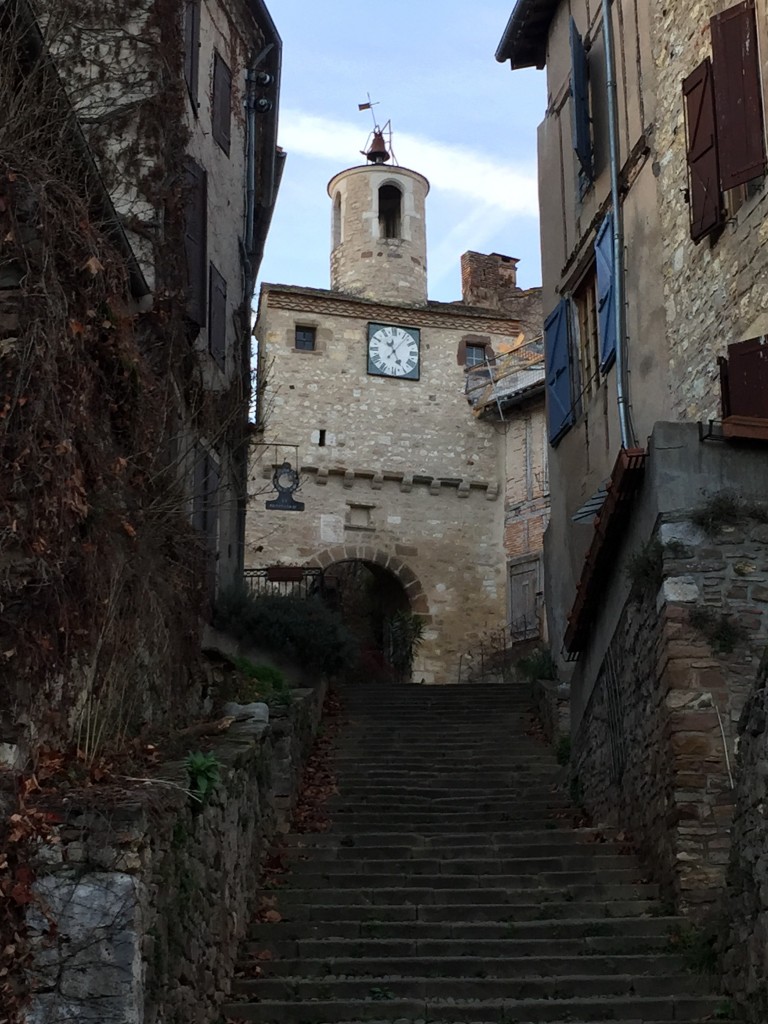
(582, 135)
(558, 370)
(606, 292)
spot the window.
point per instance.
(195, 241)
(305, 339)
(337, 220)
(222, 103)
(192, 49)
(475, 355)
(585, 307)
(390, 198)
(725, 132)
(581, 121)
(217, 317)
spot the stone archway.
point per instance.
(394, 565)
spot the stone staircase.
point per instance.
(453, 885)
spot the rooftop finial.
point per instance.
(378, 148)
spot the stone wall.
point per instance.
(714, 292)
(143, 903)
(655, 746)
(746, 956)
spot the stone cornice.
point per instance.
(406, 481)
(446, 316)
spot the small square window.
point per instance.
(475, 355)
(305, 339)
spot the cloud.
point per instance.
(481, 178)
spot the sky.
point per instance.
(458, 117)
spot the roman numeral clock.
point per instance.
(394, 351)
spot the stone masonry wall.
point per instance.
(654, 751)
(143, 904)
(714, 293)
(746, 956)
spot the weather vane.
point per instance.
(380, 139)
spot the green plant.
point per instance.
(204, 772)
(645, 568)
(539, 664)
(576, 790)
(727, 509)
(697, 946)
(721, 630)
(725, 1010)
(404, 633)
(304, 630)
(563, 750)
(380, 994)
(675, 549)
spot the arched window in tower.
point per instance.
(337, 220)
(390, 202)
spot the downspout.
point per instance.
(628, 438)
(250, 143)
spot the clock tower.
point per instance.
(379, 239)
(373, 478)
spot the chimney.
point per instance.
(489, 281)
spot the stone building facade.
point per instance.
(227, 134)
(364, 389)
(640, 593)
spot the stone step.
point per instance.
(546, 965)
(521, 839)
(542, 929)
(325, 863)
(532, 1011)
(423, 896)
(449, 914)
(522, 857)
(578, 947)
(403, 878)
(524, 987)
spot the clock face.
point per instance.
(393, 351)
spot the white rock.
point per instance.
(256, 712)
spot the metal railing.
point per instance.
(285, 580)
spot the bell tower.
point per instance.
(379, 240)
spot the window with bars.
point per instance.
(475, 355)
(304, 338)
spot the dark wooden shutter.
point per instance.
(558, 371)
(217, 319)
(195, 241)
(738, 100)
(222, 103)
(582, 134)
(705, 198)
(606, 293)
(192, 49)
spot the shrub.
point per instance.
(304, 630)
(539, 664)
(645, 568)
(721, 630)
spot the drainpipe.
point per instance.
(250, 145)
(628, 438)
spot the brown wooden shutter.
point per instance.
(217, 320)
(738, 99)
(192, 49)
(703, 164)
(461, 354)
(222, 103)
(195, 241)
